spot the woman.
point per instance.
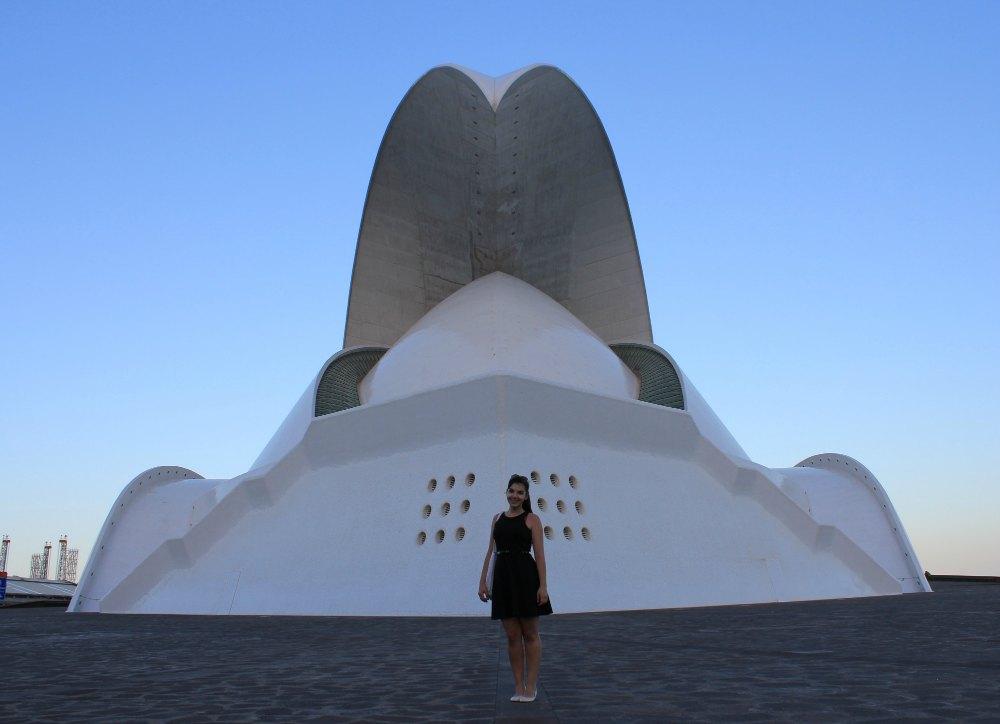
(519, 592)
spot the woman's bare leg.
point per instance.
(515, 650)
(532, 652)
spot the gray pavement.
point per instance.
(904, 657)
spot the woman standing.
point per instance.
(519, 591)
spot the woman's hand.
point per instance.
(543, 596)
(484, 592)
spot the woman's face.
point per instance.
(516, 495)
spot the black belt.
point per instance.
(501, 552)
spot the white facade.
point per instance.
(644, 505)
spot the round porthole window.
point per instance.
(548, 532)
(459, 533)
(534, 476)
(451, 482)
(560, 506)
(465, 506)
(432, 485)
(573, 482)
(568, 533)
(439, 536)
(554, 479)
(585, 532)
(542, 504)
(427, 511)
(470, 479)
(445, 508)
(579, 507)
(421, 538)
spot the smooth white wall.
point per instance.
(673, 520)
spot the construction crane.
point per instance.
(61, 565)
(71, 560)
(4, 549)
(68, 557)
(46, 550)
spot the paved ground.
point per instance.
(924, 655)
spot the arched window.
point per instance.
(659, 382)
(338, 387)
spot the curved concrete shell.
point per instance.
(477, 175)
(503, 326)
(512, 340)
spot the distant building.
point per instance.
(4, 550)
(36, 592)
(497, 324)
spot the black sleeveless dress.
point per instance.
(515, 574)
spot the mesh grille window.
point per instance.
(659, 382)
(338, 387)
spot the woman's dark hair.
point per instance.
(521, 480)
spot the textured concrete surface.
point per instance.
(459, 191)
(919, 656)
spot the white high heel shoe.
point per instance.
(529, 699)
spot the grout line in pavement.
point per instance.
(496, 689)
(548, 699)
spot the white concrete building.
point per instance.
(497, 325)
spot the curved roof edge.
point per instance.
(832, 462)
(708, 423)
(418, 243)
(153, 478)
(495, 87)
(293, 428)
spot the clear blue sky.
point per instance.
(815, 189)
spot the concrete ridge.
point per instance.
(495, 87)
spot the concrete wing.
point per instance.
(460, 190)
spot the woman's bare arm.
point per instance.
(537, 542)
(484, 593)
(489, 551)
